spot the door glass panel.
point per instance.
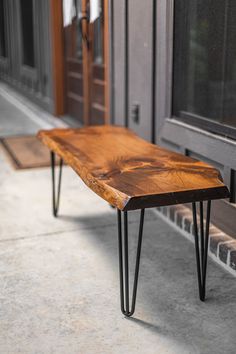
(79, 35)
(72, 13)
(3, 51)
(98, 36)
(205, 59)
(27, 32)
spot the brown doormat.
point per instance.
(26, 152)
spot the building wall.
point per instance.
(142, 71)
(133, 65)
(119, 59)
(33, 81)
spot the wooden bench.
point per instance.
(130, 173)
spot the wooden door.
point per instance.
(85, 61)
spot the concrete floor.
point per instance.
(10, 118)
(59, 289)
(59, 278)
(19, 116)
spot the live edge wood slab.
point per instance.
(130, 173)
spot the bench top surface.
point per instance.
(129, 172)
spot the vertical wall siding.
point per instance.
(140, 66)
(133, 64)
(119, 62)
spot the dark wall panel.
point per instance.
(140, 66)
(119, 61)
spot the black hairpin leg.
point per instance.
(124, 263)
(201, 255)
(55, 194)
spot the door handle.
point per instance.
(83, 35)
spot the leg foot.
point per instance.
(202, 253)
(124, 263)
(55, 195)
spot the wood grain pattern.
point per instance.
(129, 172)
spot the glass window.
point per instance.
(79, 34)
(205, 60)
(27, 25)
(3, 51)
(72, 14)
(98, 36)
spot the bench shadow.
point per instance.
(167, 300)
(147, 325)
(103, 220)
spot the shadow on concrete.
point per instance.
(167, 300)
(92, 221)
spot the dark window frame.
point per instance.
(206, 124)
(4, 59)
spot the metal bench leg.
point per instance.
(202, 253)
(56, 194)
(124, 263)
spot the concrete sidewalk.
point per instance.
(59, 282)
(60, 285)
(19, 116)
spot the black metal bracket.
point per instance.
(56, 194)
(202, 251)
(123, 243)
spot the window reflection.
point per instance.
(69, 12)
(72, 13)
(205, 59)
(98, 35)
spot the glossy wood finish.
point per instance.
(129, 172)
